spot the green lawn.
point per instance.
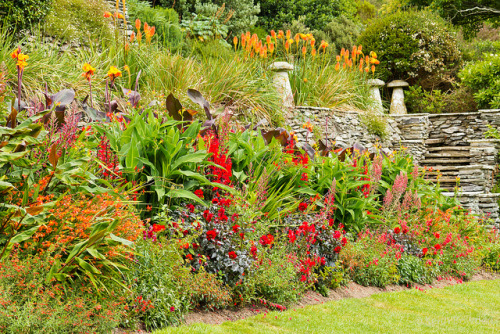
(466, 308)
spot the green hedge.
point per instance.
(20, 14)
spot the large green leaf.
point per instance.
(180, 193)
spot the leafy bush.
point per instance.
(412, 269)
(492, 257)
(274, 14)
(414, 46)
(459, 99)
(342, 32)
(156, 278)
(482, 77)
(77, 21)
(165, 20)
(275, 277)
(31, 305)
(22, 14)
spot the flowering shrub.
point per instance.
(30, 305)
(418, 47)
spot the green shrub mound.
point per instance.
(414, 46)
(78, 20)
(20, 14)
(483, 77)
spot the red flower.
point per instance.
(232, 255)
(337, 249)
(336, 235)
(189, 257)
(330, 222)
(303, 278)
(236, 228)
(190, 208)
(172, 309)
(424, 251)
(302, 207)
(199, 193)
(211, 234)
(304, 177)
(291, 236)
(253, 251)
(266, 239)
(344, 241)
(397, 230)
(207, 216)
(158, 228)
(437, 235)
(437, 246)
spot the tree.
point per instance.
(467, 13)
(317, 13)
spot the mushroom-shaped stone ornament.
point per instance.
(398, 106)
(375, 92)
(282, 82)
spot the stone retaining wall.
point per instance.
(344, 127)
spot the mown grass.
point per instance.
(466, 308)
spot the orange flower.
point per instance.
(304, 50)
(119, 16)
(243, 40)
(88, 71)
(312, 43)
(271, 48)
(107, 14)
(288, 33)
(313, 52)
(342, 52)
(338, 58)
(149, 32)
(132, 37)
(360, 48)
(323, 45)
(273, 34)
(287, 46)
(297, 39)
(138, 24)
(337, 66)
(373, 68)
(139, 36)
(235, 42)
(146, 27)
(308, 126)
(281, 34)
(114, 73)
(268, 39)
(15, 53)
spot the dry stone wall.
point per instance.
(454, 144)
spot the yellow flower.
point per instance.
(114, 73)
(21, 64)
(373, 54)
(22, 57)
(107, 14)
(88, 71)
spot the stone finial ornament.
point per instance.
(282, 82)
(375, 92)
(398, 106)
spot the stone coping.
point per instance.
(489, 110)
(326, 109)
(471, 194)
